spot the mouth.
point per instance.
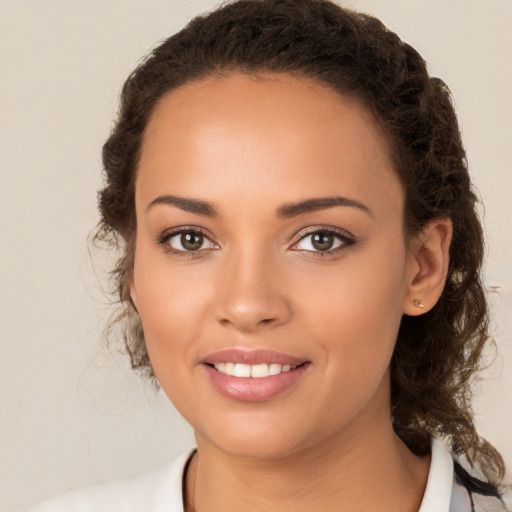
(253, 376)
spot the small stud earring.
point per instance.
(418, 303)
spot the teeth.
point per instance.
(259, 370)
(274, 369)
(256, 371)
(242, 370)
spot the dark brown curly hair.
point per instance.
(437, 354)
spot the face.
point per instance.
(270, 263)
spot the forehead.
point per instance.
(276, 135)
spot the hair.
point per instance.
(437, 354)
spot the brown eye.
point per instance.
(322, 241)
(192, 241)
(188, 241)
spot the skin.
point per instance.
(249, 146)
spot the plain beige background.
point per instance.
(71, 413)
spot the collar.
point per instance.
(437, 495)
(440, 480)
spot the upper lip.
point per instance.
(252, 357)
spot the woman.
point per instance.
(301, 268)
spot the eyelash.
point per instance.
(345, 241)
(168, 235)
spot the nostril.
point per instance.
(250, 313)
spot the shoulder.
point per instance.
(481, 496)
(157, 491)
(452, 489)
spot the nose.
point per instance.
(251, 296)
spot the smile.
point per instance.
(256, 371)
(253, 375)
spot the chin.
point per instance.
(255, 448)
(259, 439)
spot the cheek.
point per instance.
(171, 305)
(365, 289)
(356, 314)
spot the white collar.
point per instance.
(169, 494)
(440, 480)
(169, 497)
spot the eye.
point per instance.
(322, 240)
(188, 240)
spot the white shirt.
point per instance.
(161, 491)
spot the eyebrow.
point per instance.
(319, 203)
(196, 206)
(287, 211)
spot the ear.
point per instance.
(429, 255)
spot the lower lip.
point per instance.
(250, 389)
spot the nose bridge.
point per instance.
(250, 293)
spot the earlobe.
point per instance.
(429, 256)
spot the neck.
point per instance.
(350, 473)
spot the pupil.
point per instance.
(322, 241)
(191, 241)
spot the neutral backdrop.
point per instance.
(73, 414)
